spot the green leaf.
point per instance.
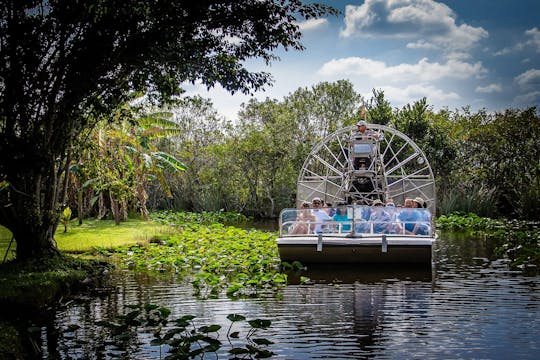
(262, 341)
(238, 351)
(236, 317)
(260, 323)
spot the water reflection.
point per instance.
(351, 273)
(468, 306)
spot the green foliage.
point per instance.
(477, 199)
(65, 217)
(205, 217)
(105, 235)
(184, 338)
(466, 221)
(46, 279)
(517, 240)
(379, 109)
(67, 65)
(11, 346)
(500, 151)
(218, 258)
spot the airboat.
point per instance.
(360, 176)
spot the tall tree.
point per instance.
(380, 111)
(67, 63)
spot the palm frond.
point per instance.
(169, 162)
(158, 119)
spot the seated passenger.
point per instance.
(410, 218)
(390, 208)
(304, 220)
(341, 216)
(380, 219)
(320, 215)
(425, 216)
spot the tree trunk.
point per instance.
(34, 242)
(80, 205)
(102, 209)
(142, 197)
(31, 209)
(115, 208)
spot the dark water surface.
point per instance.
(466, 307)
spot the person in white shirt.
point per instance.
(320, 214)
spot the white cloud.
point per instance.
(421, 71)
(431, 23)
(528, 99)
(534, 40)
(415, 92)
(491, 88)
(530, 78)
(312, 24)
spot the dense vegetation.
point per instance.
(483, 162)
(217, 257)
(67, 65)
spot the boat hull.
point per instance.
(366, 250)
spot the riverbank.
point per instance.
(517, 240)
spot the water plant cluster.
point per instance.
(215, 257)
(182, 338)
(517, 240)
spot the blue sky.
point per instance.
(480, 53)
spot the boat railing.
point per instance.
(295, 222)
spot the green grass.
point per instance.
(94, 233)
(105, 234)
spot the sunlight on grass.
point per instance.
(5, 238)
(104, 233)
(94, 233)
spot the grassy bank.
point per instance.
(93, 233)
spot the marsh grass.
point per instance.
(477, 199)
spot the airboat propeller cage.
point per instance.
(349, 168)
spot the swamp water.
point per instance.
(466, 307)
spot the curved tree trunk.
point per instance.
(31, 211)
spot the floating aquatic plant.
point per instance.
(215, 257)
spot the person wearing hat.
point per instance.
(420, 203)
(320, 214)
(425, 216)
(379, 218)
(363, 132)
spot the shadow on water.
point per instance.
(351, 273)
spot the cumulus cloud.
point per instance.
(534, 38)
(406, 95)
(423, 70)
(431, 24)
(491, 88)
(529, 99)
(312, 24)
(528, 79)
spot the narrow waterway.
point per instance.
(466, 307)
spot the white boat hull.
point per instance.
(368, 249)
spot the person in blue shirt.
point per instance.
(380, 219)
(341, 216)
(425, 216)
(409, 217)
